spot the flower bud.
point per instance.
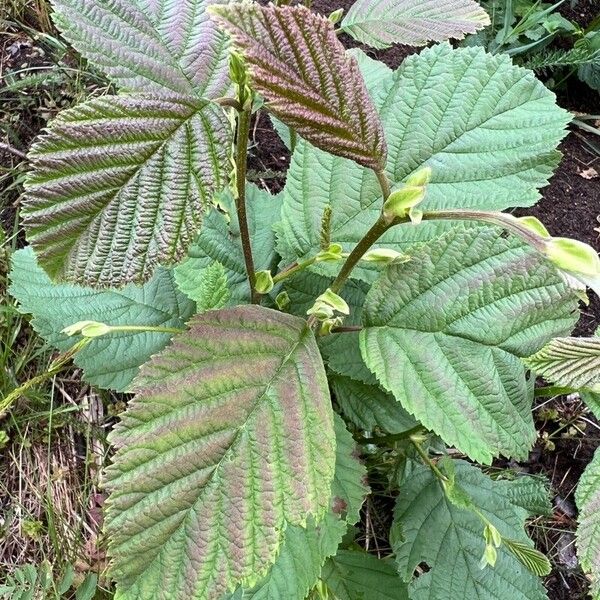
(534, 225)
(419, 178)
(402, 200)
(88, 329)
(336, 15)
(334, 252)
(282, 300)
(384, 255)
(573, 255)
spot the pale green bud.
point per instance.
(263, 282)
(334, 252)
(88, 329)
(321, 311)
(401, 201)
(282, 300)
(336, 302)
(384, 255)
(492, 535)
(415, 215)
(573, 255)
(489, 557)
(237, 68)
(534, 225)
(336, 15)
(328, 324)
(419, 178)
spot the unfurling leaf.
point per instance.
(587, 497)
(299, 65)
(531, 558)
(569, 362)
(381, 23)
(207, 287)
(121, 183)
(573, 256)
(228, 440)
(445, 333)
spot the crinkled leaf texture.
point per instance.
(304, 550)
(429, 528)
(120, 184)
(113, 360)
(228, 440)
(356, 575)
(569, 362)
(445, 332)
(300, 66)
(207, 287)
(220, 241)
(587, 497)
(487, 129)
(149, 45)
(381, 23)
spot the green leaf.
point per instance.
(304, 551)
(219, 240)
(356, 575)
(569, 362)
(369, 407)
(428, 528)
(120, 184)
(587, 497)
(54, 306)
(228, 440)
(445, 333)
(487, 129)
(299, 65)
(381, 23)
(532, 559)
(208, 287)
(148, 46)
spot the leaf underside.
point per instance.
(120, 184)
(54, 306)
(381, 23)
(148, 46)
(301, 68)
(445, 332)
(587, 497)
(229, 438)
(429, 528)
(569, 362)
(487, 129)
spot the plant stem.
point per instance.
(427, 460)
(391, 438)
(158, 329)
(293, 268)
(241, 155)
(551, 391)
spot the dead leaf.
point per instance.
(590, 173)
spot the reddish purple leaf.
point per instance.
(301, 68)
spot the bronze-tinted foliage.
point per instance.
(301, 68)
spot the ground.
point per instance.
(50, 504)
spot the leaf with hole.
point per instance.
(228, 440)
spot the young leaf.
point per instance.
(54, 306)
(229, 438)
(120, 184)
(445, 333)
(310, 83)
(487, 129)
(356, 575)
(427, 527)
(531, 558)
(569, 362)
(381, 23)
(147, 46)
(587, 497)
(207, 287)
(304, 550)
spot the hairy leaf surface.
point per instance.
(381, 23)
(304, 550)
(149, 45)
(355, 575)
(220, 241)
(206, 287)
(487, 129)
(587, 497)
(229, 438)
(445, 333)
(569, 362)
(310, 83)
(429, 528)
(120, 183)
(55, 306)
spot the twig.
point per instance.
(9, 148)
